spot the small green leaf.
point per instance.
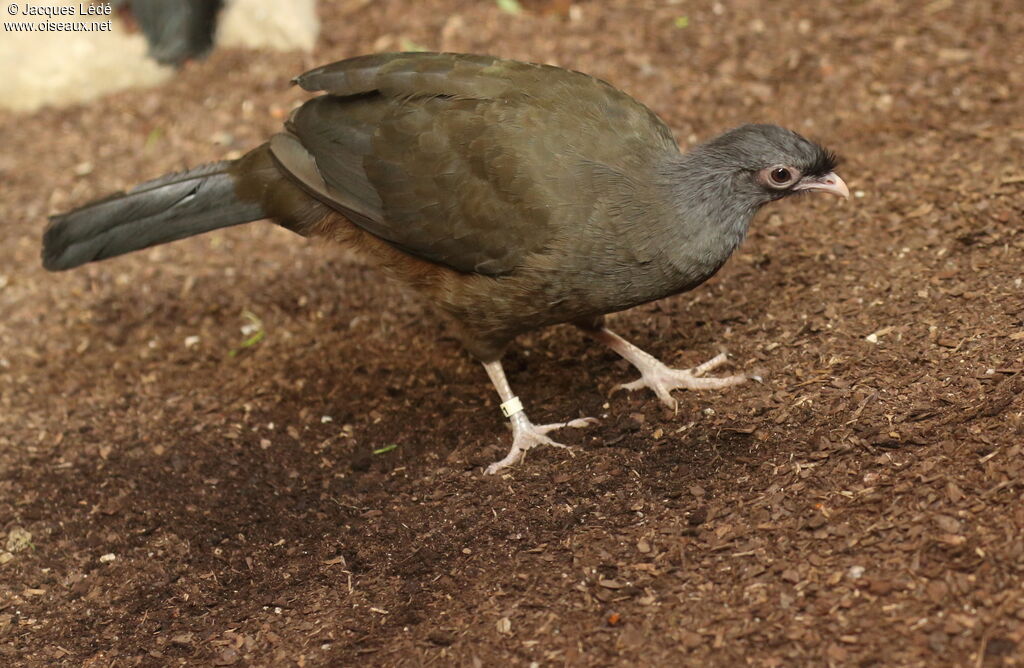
(386, 448)
(409, 45)
(153, 138)
(258, 333)
(253, 340)
(510, 6)
(682, 21)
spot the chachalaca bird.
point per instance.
(513, 196)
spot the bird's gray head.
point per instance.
(767, 162)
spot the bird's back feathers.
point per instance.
(459, 159)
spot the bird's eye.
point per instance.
(778, 177)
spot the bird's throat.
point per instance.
(710, 214)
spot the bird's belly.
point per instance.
(491, 311)
(519, 303)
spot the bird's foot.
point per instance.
(663, 379)
(526, 435)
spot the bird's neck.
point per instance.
(709, 215)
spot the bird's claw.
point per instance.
(662, 380)
(526, 435)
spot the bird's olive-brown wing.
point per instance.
(469, 161)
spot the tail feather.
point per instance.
(166, 209)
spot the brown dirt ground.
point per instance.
(861, 507)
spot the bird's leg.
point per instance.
(660, 378)
(525, 434)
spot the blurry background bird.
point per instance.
(176, 30)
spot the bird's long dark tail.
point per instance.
(166, 209)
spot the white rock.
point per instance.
(269, 24)
(42, 68)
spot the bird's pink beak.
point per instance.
(830, 183)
